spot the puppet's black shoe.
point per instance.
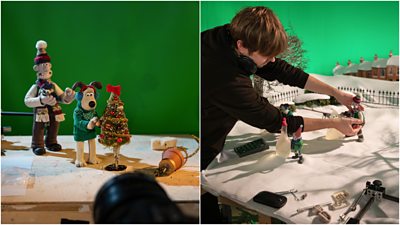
(39, 151)
(301, 160)
(360, 138)
(54, 147)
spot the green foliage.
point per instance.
(334, 101)
(308, 91)
(319, 102)
(322, 102)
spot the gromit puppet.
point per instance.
(85, 121)
(44, 97)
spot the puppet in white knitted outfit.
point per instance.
(43, 97)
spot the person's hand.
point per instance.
(346, 99)
(348, 126)
(48, 100)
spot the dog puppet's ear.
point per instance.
(77, 84)
(96, 84)
(35, 68)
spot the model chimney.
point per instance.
(376, 57)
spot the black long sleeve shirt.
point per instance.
(228, 96)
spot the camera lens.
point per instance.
(134, 198)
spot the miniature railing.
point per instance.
(375, 96)
(390, 98)
(286, 96)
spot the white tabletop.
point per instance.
(54, 178)
(329, 166)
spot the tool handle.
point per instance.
(391, 198)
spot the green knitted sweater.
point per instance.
(81, 120)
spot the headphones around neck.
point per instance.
(245, 63)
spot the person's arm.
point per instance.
(239, 100)
(315, 85)
(242, 102)
(344, 125)
(287, 74)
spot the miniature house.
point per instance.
(351, 69)
(383, 69)
(364, 69)
(379, 68)
(392, 68)
(338, 70)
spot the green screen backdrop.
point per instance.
(330, 31)
(150, 48)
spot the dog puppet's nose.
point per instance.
(92, 104)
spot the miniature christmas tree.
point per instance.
(114, 126)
